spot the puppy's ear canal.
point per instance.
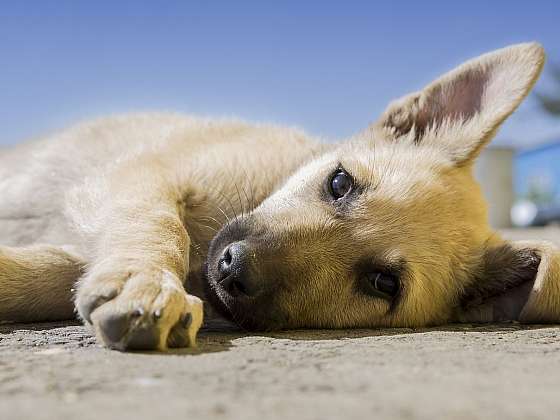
(500, 286)
(461, 111)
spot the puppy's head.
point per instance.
(389, 228)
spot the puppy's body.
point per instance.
(46, 184)
(60, 191)
(386, 229)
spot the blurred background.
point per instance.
(328, 67)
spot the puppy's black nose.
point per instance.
(235, 271)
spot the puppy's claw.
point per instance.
(138, 312)
(157, 314)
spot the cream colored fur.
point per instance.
(127, 207)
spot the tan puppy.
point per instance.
(386, 229)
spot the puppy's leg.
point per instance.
(36, 283)
(133, 292)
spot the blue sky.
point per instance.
(329, 67)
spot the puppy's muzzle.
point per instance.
(236, 271)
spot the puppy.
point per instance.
(127, 219)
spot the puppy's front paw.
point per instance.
(140, 311)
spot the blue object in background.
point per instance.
(537, 175)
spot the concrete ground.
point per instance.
(57, 371)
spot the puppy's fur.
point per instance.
(130, 210)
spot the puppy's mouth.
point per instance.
(217, 297)
(252, 314)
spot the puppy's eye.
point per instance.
(340, 184)
(382, 285)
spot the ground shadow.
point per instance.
(218, 335)
(313, 335)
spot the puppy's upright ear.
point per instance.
(461, 111)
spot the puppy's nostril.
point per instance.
(234, 271)
(226, 258)
(225, 264)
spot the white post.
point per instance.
(494, 171)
